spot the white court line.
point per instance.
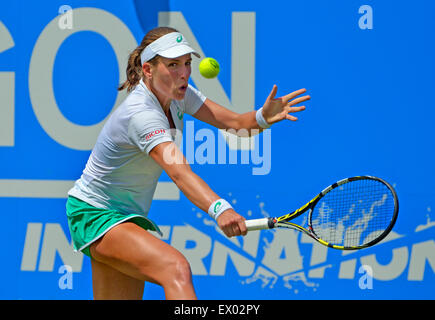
(58, 189)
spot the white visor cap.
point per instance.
(171, 45)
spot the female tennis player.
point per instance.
(108, 206)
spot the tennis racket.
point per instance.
(353, 213)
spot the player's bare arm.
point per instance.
(171, 159)
(273, 110)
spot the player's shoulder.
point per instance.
(139, 100)
(193, 100)
(193, 91)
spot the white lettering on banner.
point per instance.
(7, 94)
(41, 67)
(319, 255)
(21, 188)
(282, 254)
(282, 259)
(7, 41)
(7, 111)
(421, 252)
(244, 266)
(347, 269)
(31, 247)
(393, 269)
(54, 241)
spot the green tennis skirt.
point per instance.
(87, 223)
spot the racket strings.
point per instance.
(353, 214)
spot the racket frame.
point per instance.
(284, 221)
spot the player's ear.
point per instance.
(146, 69)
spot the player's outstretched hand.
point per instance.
(277, 109)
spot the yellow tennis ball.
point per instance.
(209, 68)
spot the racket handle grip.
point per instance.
(259, 224)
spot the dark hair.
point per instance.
(134, 67)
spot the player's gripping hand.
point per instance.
(232, 224)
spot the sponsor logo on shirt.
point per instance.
(154, 133)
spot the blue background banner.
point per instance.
(370, 70)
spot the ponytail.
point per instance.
(134, 70)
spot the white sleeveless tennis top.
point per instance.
(120, 174)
